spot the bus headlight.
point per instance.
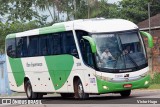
(105, 87)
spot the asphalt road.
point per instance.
(138, 98)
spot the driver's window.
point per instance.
(85, 48)
(87, 53)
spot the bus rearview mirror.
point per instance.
(150, 38)
(91, 42)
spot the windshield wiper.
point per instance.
(132, 60)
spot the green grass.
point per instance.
(155, 81)
(154, 86)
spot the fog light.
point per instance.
(105, 87)
(146, 83)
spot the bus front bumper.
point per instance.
(107, 87)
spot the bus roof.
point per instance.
(96, 25)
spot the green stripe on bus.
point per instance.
(11, 36)
(52, 29)
(118, 86)
(60, 67)
(17, 70)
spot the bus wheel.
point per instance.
(28, 89)
(79, 91)
(66, 95)
(125, 93)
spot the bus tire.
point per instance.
(28, 89)
(66, 95)
(79, 90)
(125, 93)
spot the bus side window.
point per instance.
(56, 44)
(69, 46)
(50, 44)
(18, 47)
(21, 47)
(43, 50)
(25, 47)
(11, 47)
(33, 46)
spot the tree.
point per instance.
(13, 10)
(155, 7)
(21, 10)
(133, 10)
(15, 27)
(137, 10)
(102, 9)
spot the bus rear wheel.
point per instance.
(125, 93)
(29, 92)
(79, 90)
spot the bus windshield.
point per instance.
(119, 50)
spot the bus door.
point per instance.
(88, 58)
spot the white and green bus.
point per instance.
(78, 58)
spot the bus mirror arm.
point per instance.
(150, 38)
(91, 42)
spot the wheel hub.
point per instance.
(80, 90)
(29, 91)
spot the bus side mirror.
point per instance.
(150, 38)
(91, 42)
